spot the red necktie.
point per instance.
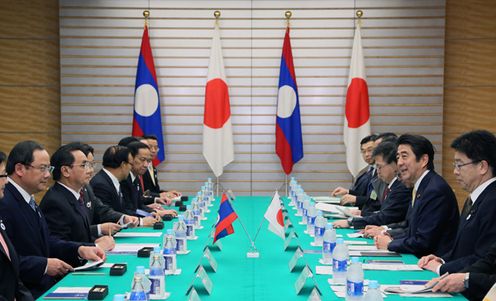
(4, 245)
(386, 192)
(142, 183)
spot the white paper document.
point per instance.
(362, 248)
(342, 210)
(355, 242)
(327, 199)
(413, 291)
(90, 265)
(138, 234)
(323, 270)
(391, 267)
(355, 235)
(129, 248)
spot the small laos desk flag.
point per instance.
(274, 216)
(146, 118)
(226, 217)
(289, 144)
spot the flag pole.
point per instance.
(252, 252)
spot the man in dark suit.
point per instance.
(132, 187)
(360, 190)
(474, 168)
(67, 213)
(396, 198)
(43, 257)
(474, 282)
(117, 161)
(433, 216)
(11, 287)
(150, 178)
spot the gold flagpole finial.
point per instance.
(288, 15)
(217, 17)
(359, 14)
(146, 14)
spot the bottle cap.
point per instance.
(156, 249)
(329, 226)
(180, 217)
(373, 284)
(140, 269)
(119, 297)
(355, 260)
(319, 213)
(339, 241)
(169, 232)
(188, 207)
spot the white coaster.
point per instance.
(321, 261)
(313, 244)
(192, 238)
(176, 272)
(183, 252)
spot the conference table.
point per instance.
(238, 277)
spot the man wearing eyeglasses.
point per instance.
(67, 213)
(43, 257)
(11, 287)
(475, 170)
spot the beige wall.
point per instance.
(470, 75)
(30, 78)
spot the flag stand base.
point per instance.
(252, 253)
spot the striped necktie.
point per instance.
(414, 194)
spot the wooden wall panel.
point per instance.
(404, 56)
(30, 76)
(470, 85)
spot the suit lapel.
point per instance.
(74, 204)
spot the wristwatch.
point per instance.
(465, 280)
(350, 221)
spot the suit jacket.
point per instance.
(104, 190)
(433, 220)
(482, 275)
(133, 195)
(11, 287)
(360, 187)
(99, 212)
(374, 201)
(476, 233)
(393, 208)
(64, 216)
(153, 188)
(28, 232)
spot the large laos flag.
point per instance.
(289, 143)
(357, 115)
(147, 119)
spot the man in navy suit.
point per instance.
(433, 217)
(43, 257)
(117, 161)
(11, 287)
(359, 191)
(396, 196)
(474, 168)
(67, 213)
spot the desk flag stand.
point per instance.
(252, 251)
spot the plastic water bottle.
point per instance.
(374, 292)
(311, 215)
(328, 244)
(354, 281)
(141, 283)
(320, 224)
(190, 223)
(339, 262)
(169, 253)
(304, 213)
(137, 290)
(181, 240)
(196, 214)
(157, 277)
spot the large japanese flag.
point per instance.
(218, 147)
(357, 115)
